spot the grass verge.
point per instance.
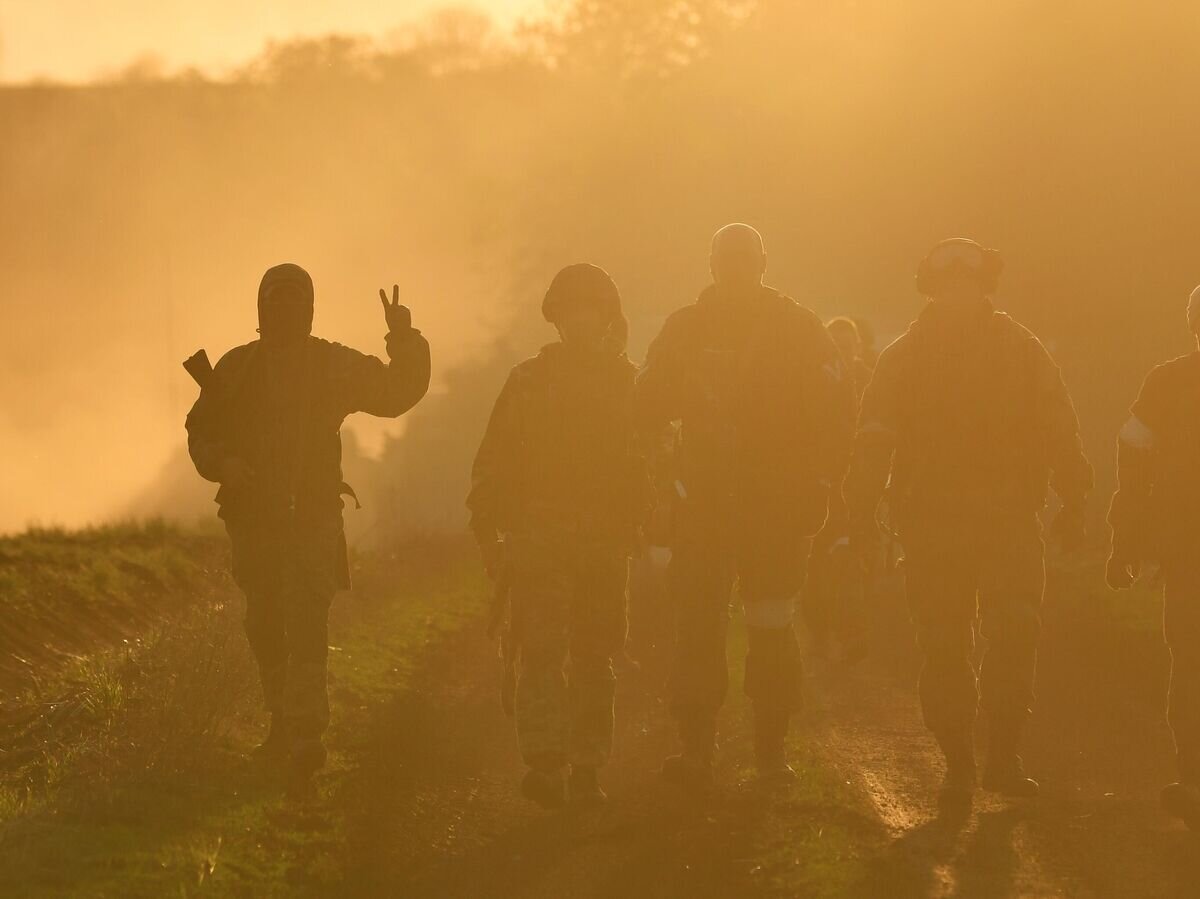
(124, 772)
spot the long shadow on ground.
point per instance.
(434, 813)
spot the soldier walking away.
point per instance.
(267, 428)
(766, 421)
(968, 417)
(834, 596)
(1155, 517)
(558, 494)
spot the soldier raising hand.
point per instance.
(267, 428)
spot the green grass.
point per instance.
(819, 837)
(64, 593)
(126, 773)
(134, 780)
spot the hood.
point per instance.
(298, 317)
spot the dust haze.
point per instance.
(468, 163)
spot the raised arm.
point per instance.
(389, 390)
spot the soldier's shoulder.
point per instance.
(236, 358)
(1178, 371)
(1013, 331)
(679, 327)
(896, 352)
(332, 349)
(528, 370)
(796, 311)
(683, 318)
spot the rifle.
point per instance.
(198, 366)
(500, 625)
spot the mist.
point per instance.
(467, 165)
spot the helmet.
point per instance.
(582, 283)
(960, 255)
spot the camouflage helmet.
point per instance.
(963, 256)
(582, 283)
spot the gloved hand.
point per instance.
(1069, 529)
(399, 318)
(1122, 570)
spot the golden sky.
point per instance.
(76, 40)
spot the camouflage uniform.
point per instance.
(557, 475)
(766, 422)
(970, 418)
(1155, 515)
(280, 409)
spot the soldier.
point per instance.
(834, 591)
(847, 335)
(558, 492)
(1155, 516)
(969, 416)
(266, 428)
(767, 417)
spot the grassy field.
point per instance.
(123, 769)
(130, 703)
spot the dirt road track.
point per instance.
(433, 811)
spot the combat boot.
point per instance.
(958, 788)
(692, 768)
(584, 786)
(1182, 801)
(546, 787)
(275, 746)
(770, 745)
(1005, 772)
(306, 758)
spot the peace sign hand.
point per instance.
(399, 318)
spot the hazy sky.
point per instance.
(74, 40)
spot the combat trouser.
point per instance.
(710, 557)
(1181, 627)
(569, 618)
(994, 571)
(289, 572)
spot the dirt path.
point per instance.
(434, 813)
(1098, 743)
